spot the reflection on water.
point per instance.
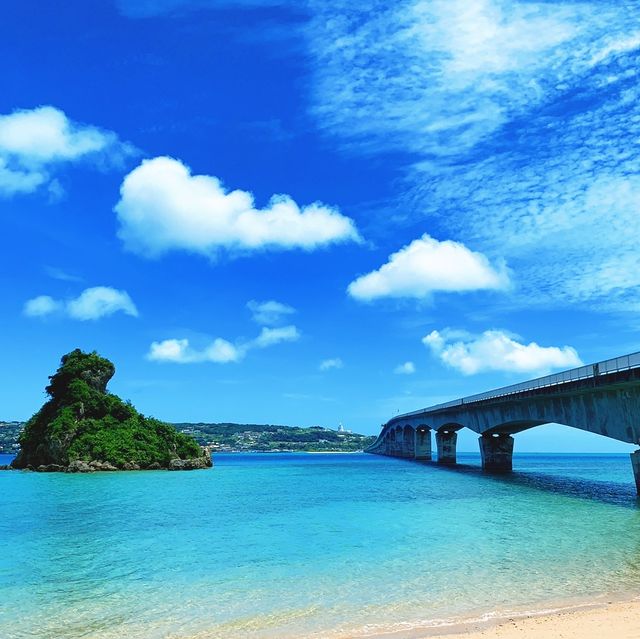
(300, 545)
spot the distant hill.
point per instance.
(9, 433)
(229, 437)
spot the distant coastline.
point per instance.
(229, 437)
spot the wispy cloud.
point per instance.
(62, 275)
(92, 304)
(269, 313)
(329, 364)
(496, 350)
(434, 76)
(271, 336)
(149, 8)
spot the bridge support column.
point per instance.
(496, 451)
(446, 441)
(422, 444)
(635, 463)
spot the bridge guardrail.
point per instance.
(616, 364)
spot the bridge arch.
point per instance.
(513, 427)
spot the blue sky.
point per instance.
(312, 213)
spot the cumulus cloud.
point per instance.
(408, 368)
(92, 304)
(329, 364)
(219, 350)
(426, 266)
(270, 312)
(164, 207)
(496, 350)
(33, 143)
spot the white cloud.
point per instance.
(15, 180)
(270, 312)
(45, 134)
(496, 350)
(179, 351)
(41, 306)
(34, 142)
(163, 207)
(408, 368)
(426, 266)
(329, 364)
(219, 350)
(92, 304)
(270, 336)
(100, 301)
(436, 76)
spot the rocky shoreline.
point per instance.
(196, 463)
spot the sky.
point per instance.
(313, 213)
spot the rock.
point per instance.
(6, 467)
(50, 468)
(81, 415)
(154, 466)
(195, 463)
(79, 466)
(101, 465)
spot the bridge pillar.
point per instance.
(496, 451)
(446, 441)
(422, 444)
(635, 463)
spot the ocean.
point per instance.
(304, 545)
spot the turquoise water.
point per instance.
(308, 545)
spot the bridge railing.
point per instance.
(622, 363)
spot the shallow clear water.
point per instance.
(308, 545)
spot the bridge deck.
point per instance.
(604, 372)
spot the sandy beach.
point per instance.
(615, 620)
(620, 620)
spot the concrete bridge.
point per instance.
(602, 398)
